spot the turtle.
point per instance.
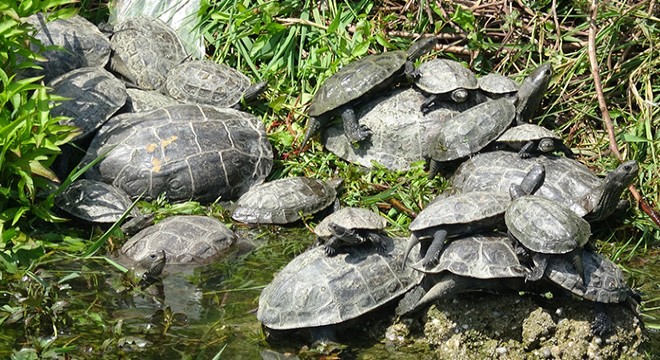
(567, 181)
(531, 140)
(400, 131)
(468, 263)
(444, 79)
(147, 270)
(207, 82)
(67, 44)
(284, 200)
(95, 202)
(319, 293)
(545, 228)
(461, 214)
(139, 100)
(144, 49)
(186, 239)
(355, 82)
(93, 96)
(185, 151)
(496, 86)
(468, 132)
(350, 226)
(603, 283)
(531, 91)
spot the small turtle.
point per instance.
(185, 239)
(352, 83)
(318, 292)
(462, 214)
(532, 140)
(207, 82)
(444, 79)
(567, 181)
(468, 132)
(284, 200)
(545, 228)
(350, 226)
(531, 91)
(94, 201)
(496, 86)
(144, 51)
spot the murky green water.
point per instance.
(211, 310)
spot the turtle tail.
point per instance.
(313, 126)
(414, 240)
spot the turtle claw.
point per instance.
(329, 250)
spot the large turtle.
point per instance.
(461, 214)
(532, 140)
(144, 51)
(531, 91)
(400, 131)
(444, 79)
(197, 152)
(185, 239)
(207, 82)
(318, 292)
(469, 263)
(284, 200)
(567, 180)
(94, 201)
(350, 226)
(468, 132)
(352, 83)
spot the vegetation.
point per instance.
(295, 45)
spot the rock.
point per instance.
(537, 327)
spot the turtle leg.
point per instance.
(408, 303)
(434, 169)
(428, 104)
(533, 180)
(561, 147)
(433, 253)
(528, 150)
(353, 130)
(576, 259)
(331, 246)
(313, 126)
(378, 241)
(602, 324)
(253, 91)
(449, 285)
(540, 264)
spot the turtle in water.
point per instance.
(444, 79)
(531, 91)
(350, 226)
(207, 82)
(284, 200)
(185, 151)
(567, 181)
(461, 214)
(186, 239)
(354, 82)
(318, 293)
(148, 269)
(531, 140)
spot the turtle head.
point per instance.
(547, 145)
(623, 175)
(152, 266)
(602, 201)
(459, 95)
(421, 47)
(531, 91)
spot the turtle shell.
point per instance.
(206, 82)
(144, 51)
(480, 256)
(317, 290)
(604, 280)
(356, 79)
(184, 238)
(496, 84)
(282, 201)
(546, 226)
(470, 131)
(350, 218)
(566, 180)
(81, 45)
(196, 152)
(94, 201)
(400, 131)
(526, 132)
(462, 209)
(441, 76)
(139, 100)
(94, 96)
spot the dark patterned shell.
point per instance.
(566, 180)
(95, 95)
(400, 131)
(144, 51)
(546, 226)
(441, 76)
(317, 290)
(355, 80)
(480, 256)
(196, 152)
(146, 100)
(82, 45)
(604, 281)
(497, 84)
(206, 82)
(283, 200)
(461, 209)
(350, 218)
(470, 131)
(94, 201)
(184, 238)
(521, 134)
